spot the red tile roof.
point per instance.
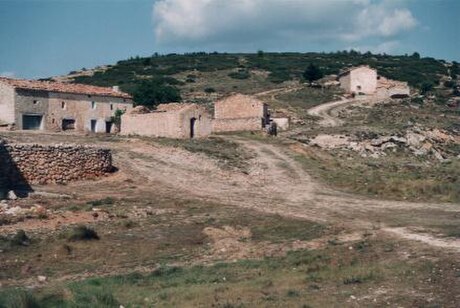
(61, 87)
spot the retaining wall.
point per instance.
(23, 164)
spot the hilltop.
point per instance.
(198, 74)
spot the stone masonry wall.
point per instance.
(42, 164)
(232, 125)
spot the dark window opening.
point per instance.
(32, 122)
(63, 105)
(68, 124)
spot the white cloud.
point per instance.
(238, 22)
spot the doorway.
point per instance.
(192, 127)
(93, 126)
(108, 126)
(32, 122)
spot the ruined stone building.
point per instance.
(359, 80)
(392, 88)
(55, 106)
(174, 120)
(240, 113)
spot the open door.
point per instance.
(93, 126)
(192, 127)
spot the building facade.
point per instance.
(240, 113)
(359, 80)
(174, 120)
(54, 106)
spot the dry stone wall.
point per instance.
(233, 125)
(42, 164)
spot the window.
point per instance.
(93, 105)
(111, 106)
(63, 105)
(36, 102)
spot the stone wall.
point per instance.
(23, 164)
(169, 124)
(240, 124)
(240, 106)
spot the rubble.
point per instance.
(418, 141)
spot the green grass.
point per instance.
(273, 281)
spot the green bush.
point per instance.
(81, 233)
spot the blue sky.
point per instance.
(42, 38)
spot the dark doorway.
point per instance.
(108, 127)
(192, 127)
(93, 126)
(68, 124)
(31, 122)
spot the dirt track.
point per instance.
(328, 112)
(276, 183)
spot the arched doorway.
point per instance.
(192, 127)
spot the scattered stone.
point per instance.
(42, 279)
(12, 195)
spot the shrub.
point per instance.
(241, 74)
(82, 233)
(20, 239)
(209, 90)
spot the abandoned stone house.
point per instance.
(55, 106)
(240, 113)
(174, 120)
(359, 80)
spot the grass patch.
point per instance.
(278, 280)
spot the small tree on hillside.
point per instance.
(312, 73)
(426, 87)
(151, 93)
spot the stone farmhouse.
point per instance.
(356, 80)
(172, 120)
(56, 106)
(364, 80)
(240, 113)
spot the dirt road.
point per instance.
(276, 184)
(329, 112)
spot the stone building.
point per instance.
(387, 88)
(55, 106)
(174, 120)
(359, 80)
(240, 113)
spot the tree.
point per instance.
(151, 93)
(116, 118)
(312, 73)
(416, 55)
(426, 87)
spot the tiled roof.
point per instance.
(61, 87)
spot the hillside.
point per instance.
(198, 73)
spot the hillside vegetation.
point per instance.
(222, 72)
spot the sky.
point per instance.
(43, 38)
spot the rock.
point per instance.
(14, 211)
(11, 195)
(414, 139)
(42, 278)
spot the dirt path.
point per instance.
(276, 184)
(329, 112)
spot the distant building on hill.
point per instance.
(359, 80)
(174, 120)
(56, 106)
(240, 113)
